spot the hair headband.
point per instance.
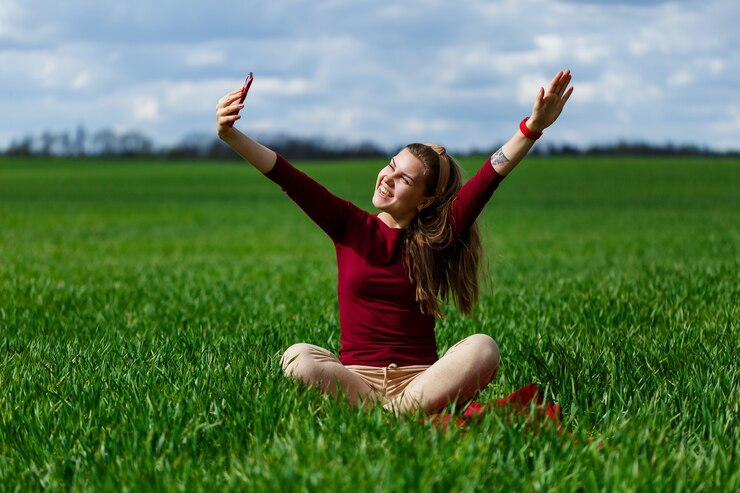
(444, 172)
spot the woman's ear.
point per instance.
(426, 202)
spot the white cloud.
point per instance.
(456, 72)
(418, 126)
(9, 13)
(675, 30)
(284, 86)
(726, 128)
(204, 57)
(680, 78)
(711, 65)
(619, 88)
(64, 67)
(13, 19)
(145, 109)
(527, 87)
(82, 80)
(728, 122)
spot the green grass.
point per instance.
(144, 306)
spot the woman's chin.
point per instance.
(379, 202)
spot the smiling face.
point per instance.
(401, 189)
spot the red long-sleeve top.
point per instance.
(380, 320)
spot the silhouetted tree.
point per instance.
(204, 145)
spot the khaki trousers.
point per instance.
(457, 377)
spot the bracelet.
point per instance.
(530, 134)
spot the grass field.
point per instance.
(144, 306)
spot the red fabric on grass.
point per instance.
(520, 403)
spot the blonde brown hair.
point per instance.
(443, 265)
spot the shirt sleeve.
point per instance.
(327, 210)
(474, 195)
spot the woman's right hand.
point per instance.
(227, 112)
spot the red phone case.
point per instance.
(245, 88)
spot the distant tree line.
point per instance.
(104, 142)
(624, 148)
(110, 143)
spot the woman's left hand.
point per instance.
(550, 103)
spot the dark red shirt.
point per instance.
(380, 320)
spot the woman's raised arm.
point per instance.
(227, 112)
(547, 107)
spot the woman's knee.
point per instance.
(308, 363)
(292, 356)
(487, 351)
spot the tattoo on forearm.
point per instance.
(499, 157)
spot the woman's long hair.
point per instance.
(443, 265)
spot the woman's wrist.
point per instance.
(225, 132)
(529, 129)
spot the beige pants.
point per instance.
(458, 376)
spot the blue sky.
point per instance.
(458, 73)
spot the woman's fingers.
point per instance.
(234, 106)
(559, 83)
(555, 80)
(565, 81)
(229, 98)
(550, 102)
(227, 116)
(229, 120)
(559, 86)
(227, 110)
(567, 94)
(229, 105)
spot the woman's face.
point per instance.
(400, 187)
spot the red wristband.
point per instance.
(530, 134)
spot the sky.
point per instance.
(462, 74)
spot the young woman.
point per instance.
(396, 266)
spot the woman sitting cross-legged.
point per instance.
(396, 266)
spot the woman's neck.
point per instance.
(395, 223)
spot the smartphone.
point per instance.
(245, 88)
